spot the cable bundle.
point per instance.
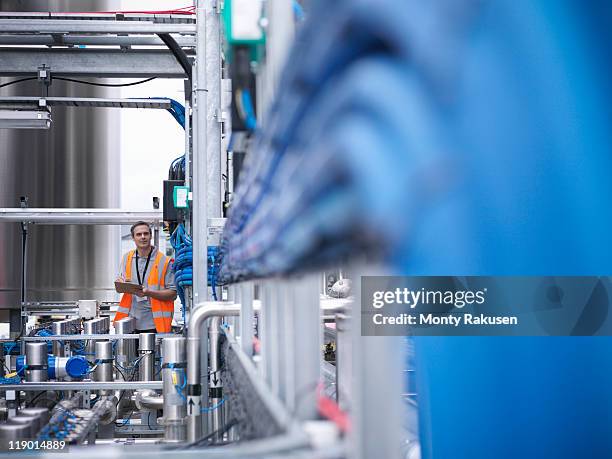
(177, 110)
(183, 262)
(177, 169)
(339, 154)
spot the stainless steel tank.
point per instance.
(75, 164)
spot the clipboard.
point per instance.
(127, 287)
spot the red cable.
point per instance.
(256, 345)
(329, 409)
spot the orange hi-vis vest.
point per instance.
(162, 310)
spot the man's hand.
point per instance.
(163, 295)
(119, 279)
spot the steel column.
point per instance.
(376, 398)
(247, 295)
(200, 167)
(306, 355)
(213, 107)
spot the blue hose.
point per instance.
(183, 263)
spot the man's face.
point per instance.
(142, 236)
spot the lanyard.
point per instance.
(140, 281)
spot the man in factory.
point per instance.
(152, 304)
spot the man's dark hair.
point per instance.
(140, 223)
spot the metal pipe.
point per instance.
(104, 363)
(41, 413)
(88, 329)
(95, 336)
(194, 387)
(78, 216)
(24, 273)
(48, 40)
(36, 362)
(200, 166)
(104, 325)
(82, 385)
(33, 422)
(58, 328)
(215, 390)
(149, 400)
(14, 432)
(173, 377)
(106, 410)
(146, 349)
(247, 296)
(213, 110)
(125, 348)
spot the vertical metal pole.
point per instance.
(226, 160)
(281, 325)
(278, 40)
(344, 361)
(189, 96)
(274, 336)
(215, 390)
(200, 168)
(233, 295)
(24, 271)
(173, 375)
(376, 403)
(156, 234)
(204, 381)
(306, 318)
(264, 330)
(232, 321)
(246, 317)
(289, 350)
(146, 351)
(213, 107)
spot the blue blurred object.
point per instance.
(247, 103)
(450, 138)
(177, 110)
(58, 367)
(20, 364)
(46, 332)
(77, 367)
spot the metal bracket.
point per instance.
(220, 115)
(44, 77)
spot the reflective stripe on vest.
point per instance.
(162, 314)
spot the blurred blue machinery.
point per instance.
(456, 138)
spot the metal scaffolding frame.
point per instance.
(78, 216)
